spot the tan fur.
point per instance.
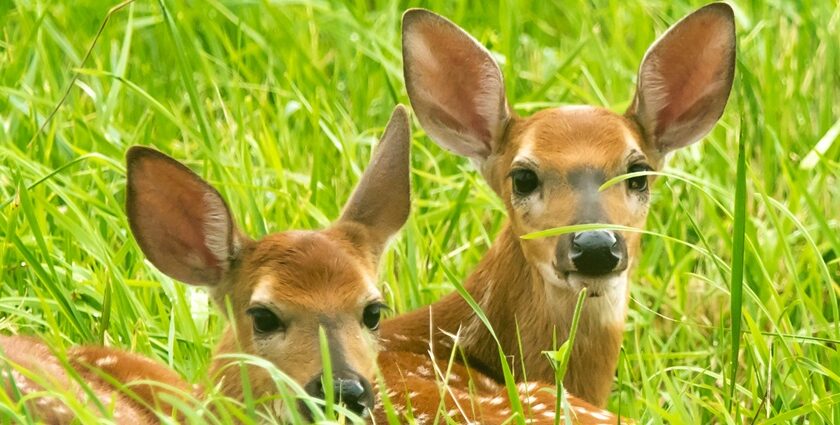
(511, 293)
(316, 275)
(96, 366)
(418, 387)
(311, 280)
(523, 287)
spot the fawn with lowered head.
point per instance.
(548, 169)
(281, 289)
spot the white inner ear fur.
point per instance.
(488, 101)
(217, 230)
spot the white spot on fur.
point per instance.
(538, 407)
(424, 371)
(599, 416)
(264, 290)
(106, 361)
(527, 386)
(401, 337)
(630, 139)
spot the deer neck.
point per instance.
(530, 316)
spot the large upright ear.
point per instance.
(685, 79)
(382, 199)
(455, 86)
(181, 223)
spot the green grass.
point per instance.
(277, 103)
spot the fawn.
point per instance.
(548, 169)
(281, 289)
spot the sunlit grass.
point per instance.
(278, 103)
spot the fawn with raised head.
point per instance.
(281, 290)
(548, 168)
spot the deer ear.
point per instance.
(181, 223)
(455, 86)
(685, 79)
(382, 200)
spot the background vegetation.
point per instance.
(278, 103)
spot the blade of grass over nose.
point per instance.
(327, 376)
(557, 231)
(737, 273)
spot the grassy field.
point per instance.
(277, 103)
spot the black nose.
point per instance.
(351, 390)
(596, 252)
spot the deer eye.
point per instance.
(525, 181)
(638, 183)
(372, 315)
(265, 321)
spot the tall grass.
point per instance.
(278, 104)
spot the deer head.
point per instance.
(548, 167)
(285, 286)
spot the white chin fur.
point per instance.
(606, 294)
(596, 285)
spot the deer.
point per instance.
(281, 290)
(548, 168)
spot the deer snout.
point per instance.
(598, 252)
(593, 253)
(349, 389)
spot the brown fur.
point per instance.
(314, 275)
(309, 279)
(522, 285)
(97, 367)
(419, 387)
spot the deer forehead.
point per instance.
(575, 137)
(310, 271)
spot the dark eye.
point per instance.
(525, 181)
(371, 316)
(265, 321)
(638, 183)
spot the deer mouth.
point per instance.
(596, 286)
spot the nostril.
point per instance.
(315, 387)
(349, 389)
(616, 250)
(353, 394)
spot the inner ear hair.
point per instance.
(180, 222)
